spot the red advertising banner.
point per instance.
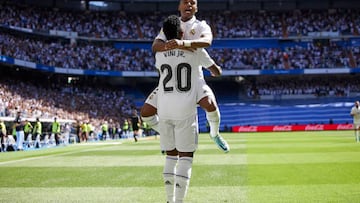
(283, 128)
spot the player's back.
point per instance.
(179, 74)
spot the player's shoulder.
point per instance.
(202, 23)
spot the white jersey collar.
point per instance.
(189, 22)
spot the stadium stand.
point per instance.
(117, 43)
(288, 112)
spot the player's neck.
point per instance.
(185, 19)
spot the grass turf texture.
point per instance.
(261, 167)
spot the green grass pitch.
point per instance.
(289, 167)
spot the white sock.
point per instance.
(182, 178)
(169, 176)
(214, 122)
(152, 121)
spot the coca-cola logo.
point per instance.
(248, 129)
(282, 128)
(345, 127)
(314, 127)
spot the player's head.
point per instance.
(357, 103)
(187, 9)
(172, 28)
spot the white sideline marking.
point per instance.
(54, 155)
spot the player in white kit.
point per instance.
(177, 99)
(355, 113)
(198, 35)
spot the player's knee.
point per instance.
(147, 110)
(186, 154)
(173, 152)
(207, 104)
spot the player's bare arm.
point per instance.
(215, 70)
(191, 45)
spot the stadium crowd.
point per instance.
(102, 56)
(81, 103)
(87, 56)
(226, 24)
(317, 86)
(91, 55)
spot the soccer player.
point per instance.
(177, 97)
(198, 35)
(135, 123)
(355, 113)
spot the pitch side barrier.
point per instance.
(287, 128)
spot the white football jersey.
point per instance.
(180, 75)
(193, 29)
(356, 112)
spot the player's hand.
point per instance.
(172, 44)
(177, 44)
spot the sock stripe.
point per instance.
(181, 176)
(170, 174)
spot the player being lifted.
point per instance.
(197, 35)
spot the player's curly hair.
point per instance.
(172, 28)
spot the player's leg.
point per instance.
(148, 114)
(37, 140)
(183, 175)
(19, 140)
(169, 174)
(167, 143)
(2, 142)
(148, 111)
(186, 138)
(136, 132)
(212, 114)
(357, 130)
(208, 103)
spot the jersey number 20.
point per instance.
(180, 68)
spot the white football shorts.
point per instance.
(180, 134)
